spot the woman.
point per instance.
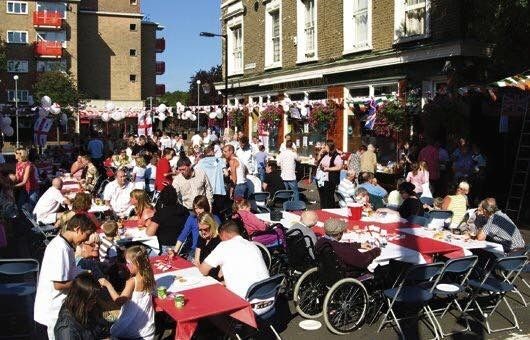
(142, 208)
(121, 159)
(209, 237)
(80, 316)
(251, 223)
(87, 256)
(328, 174)
(26, 180)
(457, 203)
(77, 168)
(168, 220)
(411, 204)
(81, 204)
(138, 173)
(418, 178)
(191, 228)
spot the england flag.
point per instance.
(40, 130)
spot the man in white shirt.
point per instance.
(165, 141)
(196, 139)
(287, 162)
(347, 188)
(49, 203)
(283, 146)
(117, 194)
(240, 260)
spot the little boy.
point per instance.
(107, 248)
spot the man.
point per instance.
(205, 138)
(95, 149)
(347, 187)
(237, 172)
(287, 162)
(196, 139)
(283, 146)
(245, 155)
(165, 141)
(90, 175)
(273, 181)
(140, 147)
(50, 202)
(499, 228)
(354, 163)
(213, 168)
(261, 161)
(369, 160)
(349, 255)
(240, 261)
(190, 183)
(307, 221)
(164, 174)
(367, 180)
(429, 154)
(117, 194)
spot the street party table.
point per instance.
(203, 295)
(133, 233)
(404, 242)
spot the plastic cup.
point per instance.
(179, 301)
(356, 211)
(161, 292)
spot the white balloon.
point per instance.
(303, 111)
(212, 115)
(161, 108)
(162, 116)
(184, 117)
(193, 117)
(105, 116)
(285, 107)
(188, 114)
(220, 115)
(110, 106)
(46, 101)
(55, 109)
(6, 121)
(8, 131)
(115, 116)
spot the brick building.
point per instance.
(106, 45)
(343, 49)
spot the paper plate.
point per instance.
(186, 281)
(450, 288)
(310, 325)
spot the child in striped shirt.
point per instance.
(107, 247)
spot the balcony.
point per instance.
(160, 45)
(160, 68)
(46, 19)
(160, 90)
(49, 49)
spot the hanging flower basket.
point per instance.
(323, 116)
(271, 117)
(391, 119)
(237, 117)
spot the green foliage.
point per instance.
(3, 56)
(237, 117)
(59, 86)
(171, 98)
(445, 116)
(206, 77)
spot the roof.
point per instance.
(520, 81)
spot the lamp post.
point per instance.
(225, 37)
(15, 77)
(198, 102)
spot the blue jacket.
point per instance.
(191, 230)
(213, 167)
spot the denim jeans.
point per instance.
(27, 200)
(261, 173)
(292, 185)
(241, 190)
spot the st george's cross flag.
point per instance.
(40, 130)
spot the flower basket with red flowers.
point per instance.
(323, 116)
(271, 116)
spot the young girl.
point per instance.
(417, 177)
(137, 315)
(138, 173)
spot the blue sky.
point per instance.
(186, 52)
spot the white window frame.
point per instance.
(23, 96)
(23, 66)
(11, 42)
(400, 8)
(40, 4)
(302, 53)
(233, 24)
(350, 43)
(271, 7)
(13, 3)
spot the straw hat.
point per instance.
(334, 226)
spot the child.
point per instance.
(107, 247)
(137, 315)
(394, 199)
(58, 270)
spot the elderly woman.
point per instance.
(411, 204)
(87, 256)
(26, 180)
(81, 204)
(457, 203)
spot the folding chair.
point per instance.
(47, 231)
(427, 200)
(294, 206)
(260, 198)
(512, 277)
(19, 289)
(419, 220)
(281, 195)
(340, 198)
(452, 281)
(496, 289)
(411, 292)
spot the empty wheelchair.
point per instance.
(345, 298)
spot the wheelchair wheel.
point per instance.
(345, 306)
(309, 294)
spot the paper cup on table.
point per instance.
(355, 211)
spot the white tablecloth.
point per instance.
(194, 279)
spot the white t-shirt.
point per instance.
(139, 180)
(241, 262)
(287, 163)
(48, 204)
(283, 147)
(152, 176)
(119, 197)
(196, 140)
(247, 158)
(58, 264)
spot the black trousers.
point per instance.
(327, 195)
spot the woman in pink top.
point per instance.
(250, 221)
(418, 177)
(26, 180)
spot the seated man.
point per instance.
(117, 194)
(47, 207)
(347, 188)
(308, 220)
(348, 254)
(90, 174)
(499, 228)
(240, 260)
(368, 182)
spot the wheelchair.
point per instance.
(346, 299)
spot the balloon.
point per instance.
(304, 111)
(110, 106)
(6, 121)
(193, 117)
(55, 109)
(162, 116)
(285, 106)
(105, 116)
(46, 101)
(184, 117)
(8, 131)
(212, 115)
(161, 108)
(187, 114)
(220, 115)
(64, 119)
(115, 116)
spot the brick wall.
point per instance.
(122, 6)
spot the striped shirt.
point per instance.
(500, 229)
(107, 249)
(458, 206)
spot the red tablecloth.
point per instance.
(70, 185)
(427, 247)
(130, 223)
(201, 302)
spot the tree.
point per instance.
(171, 98)
(3, 56)
(59, 86)
(206, 77)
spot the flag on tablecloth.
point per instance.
(40, 130)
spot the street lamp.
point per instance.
(198, 102)
(225, 37)
(15, 77)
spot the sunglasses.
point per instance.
(204, 230)
(93, 244)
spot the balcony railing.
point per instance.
(160, 45)
(160, 67)
(49, 49)
(160, 90)
(48, 19)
